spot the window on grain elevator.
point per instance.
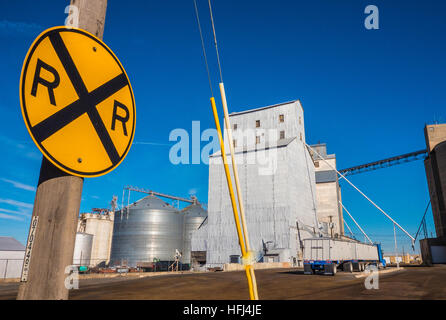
(257, 123)
(281, 118)
(234, 143)
(282, 134)
(258, 140)
(235, 126)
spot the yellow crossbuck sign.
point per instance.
(77, 102)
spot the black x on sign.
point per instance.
(77, 102)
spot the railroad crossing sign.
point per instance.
(77, 102)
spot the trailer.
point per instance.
(328, 254)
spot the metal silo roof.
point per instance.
(10, 244)
(152, 202)
(195, 210)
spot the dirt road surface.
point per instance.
(277, 284)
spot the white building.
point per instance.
(12, 253)
(277, 180)
(328, 191)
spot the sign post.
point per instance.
(79, 109)
(57, 206)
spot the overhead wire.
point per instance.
(357, 224)
(203, 47)
(215, 40)
(351, 233)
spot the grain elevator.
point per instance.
(278, 182)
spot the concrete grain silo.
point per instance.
(99, 223)
(433, 250)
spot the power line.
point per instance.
(202, 46)
(356, 222)
(215, 41)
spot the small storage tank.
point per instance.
(149, 229)
(82, 249)
(194, 215)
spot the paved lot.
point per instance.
(410, 283)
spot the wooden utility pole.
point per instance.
(57, 204)
(91, 15)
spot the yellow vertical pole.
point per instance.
(237, 182)
(231, 194)
(234, 165)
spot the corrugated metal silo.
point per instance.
(82, 249)
(194, 216)
(150, 229)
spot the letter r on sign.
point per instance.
(50, 85)
(121, 119)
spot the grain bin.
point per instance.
(194, 215)
(146, 230)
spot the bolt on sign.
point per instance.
(77, 102)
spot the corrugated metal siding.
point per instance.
(11, 263)
(194, 216)
(334, 249)
(151, 229)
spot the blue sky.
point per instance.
(366, 93)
